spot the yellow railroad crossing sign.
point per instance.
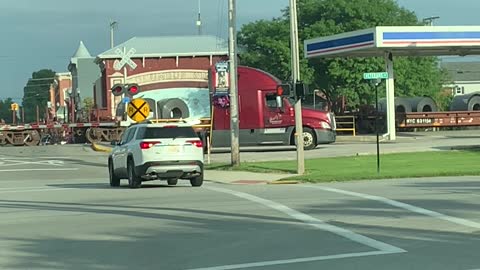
(138, 109)
(14, 107)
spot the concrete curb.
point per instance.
(280, 182)
(101, 148)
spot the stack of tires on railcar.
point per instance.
(421, 113)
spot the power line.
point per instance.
(33, 56)
(42, 79)
(51, 78)
(34, 85)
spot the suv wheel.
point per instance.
(197, 181)
(114, 179)
(133, 180)
(172, 182)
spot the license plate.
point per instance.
(173, 149)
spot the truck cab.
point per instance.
(265, 118)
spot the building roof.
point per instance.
(462, 71)
(66, 73)
(170, 46)
(82, 52)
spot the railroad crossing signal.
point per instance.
(130, 89)
(14, 107)
(118, 90)
(126, 59)
(138, 109)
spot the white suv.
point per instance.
(157, 151)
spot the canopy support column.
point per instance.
(390, 97)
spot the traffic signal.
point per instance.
(132, 89)
(14, 107)
(118, 89)
(222, 79)
(300, 89)
(283, 89)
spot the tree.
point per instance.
(266, 46)
(36, 93)
(5, 110)
(88, 104)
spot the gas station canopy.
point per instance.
(390, 41)
(398, 40)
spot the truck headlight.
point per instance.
(325, 125)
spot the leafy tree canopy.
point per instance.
(266, 46)
(36, 93)
(5, 110)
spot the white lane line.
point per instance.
(41, 169)
(19, 162)
(409, 207)
(383, 248)
(47, 157)
(314, 222)
(35, 190)
(20, 188)
(290, 261)
(91, 181)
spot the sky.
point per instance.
(36, 34)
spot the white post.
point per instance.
(296, 78)
(232, 49)
(209, 150)
(125, 116)
(390, 96)
(113, 25)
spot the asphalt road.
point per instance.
(58, 212)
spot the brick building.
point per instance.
(171, 62)
(59, 92)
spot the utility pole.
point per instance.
(14, 119)
(232, 51)
(199, 20)
(429, 20)
(113, 26)
(295, 79)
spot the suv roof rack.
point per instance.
(198, 123)
(158, 121)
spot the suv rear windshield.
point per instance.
(166, 132)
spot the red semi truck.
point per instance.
(264, 118)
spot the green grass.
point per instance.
(422, 164)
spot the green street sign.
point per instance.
(375, 75)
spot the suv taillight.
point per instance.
(147, 145)
(197, 143)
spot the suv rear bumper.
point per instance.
(170, 169)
